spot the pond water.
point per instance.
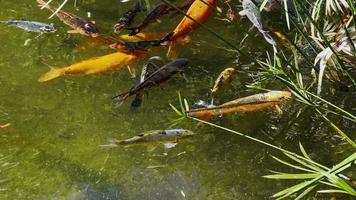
(51, 149)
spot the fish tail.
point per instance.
(111, 143)
(136, 103)
(52, 74)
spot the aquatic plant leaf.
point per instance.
(292, 176)
(176, 110)
(332, 191)
(263, 5)
(291, 190)
(291, 165)
(306, 163)
(303, 151)
(305, 192)
(186, 105)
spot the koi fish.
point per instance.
(31, 26)
(224, 78)
(93, 66)
(200, 10)
(126, 20)
(152, 65)
(159, 76)
(160, 10)
(140, 45)
(245, 104)
(251, 11)
(78, 24)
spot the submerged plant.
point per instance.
(314, 174)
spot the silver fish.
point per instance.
(31, 26)
(251, 11)
(157, 135)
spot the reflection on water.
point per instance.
(56, 127)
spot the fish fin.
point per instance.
(279, 110)
(132, 71)
(111, 143)
(136, 103)
(72, 32)
(52, 74)
(170, 145)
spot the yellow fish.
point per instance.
(245, 104)
(94, 65)
(153, 36)
(224, 78)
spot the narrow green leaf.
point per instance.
(292, 176)
(176, 110)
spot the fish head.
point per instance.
(179, 64)
(280, 95)
(119, 26)
(230, 71)
(179, 132)
(48, 29)
(91, 30)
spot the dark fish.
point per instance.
(128, 17)
(31, 26)
(152, 65)
(159, 76)
(140, 45)
(78, 24)
(160, 10)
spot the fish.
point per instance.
(151, 66)
(160, 10)
(251, 11)
(157, 136)
(159, 76)
(245, 104)
(200, 10)
(139, 45)
(78, 24)
(154, 36)
(223, 79)
(93, 66)
(31, 26)
(128, 17)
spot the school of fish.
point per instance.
(135, 45)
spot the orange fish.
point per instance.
(200, 11)
(94, 65)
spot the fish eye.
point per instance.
(89, 28)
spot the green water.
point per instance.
(51, 146)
